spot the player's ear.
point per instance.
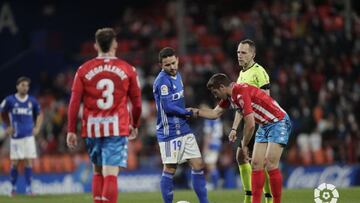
(96, 47)
(115, 44)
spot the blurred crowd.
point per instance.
(312, 60)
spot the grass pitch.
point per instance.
(348, 195)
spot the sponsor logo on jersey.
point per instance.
(22, 111)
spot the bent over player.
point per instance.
(272, 135)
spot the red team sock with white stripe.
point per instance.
(110, 192)
(257, 184)
(97, 187)
(276, 184)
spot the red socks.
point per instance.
(110, 189)
(97, 186)
(257, 184)
(276, 184)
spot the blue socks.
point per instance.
(199, 182)
(214, 175)
(13, 177)
(28, 175)
(167, 187)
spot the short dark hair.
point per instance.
(104, 37)
(22, 79)
(250, 43)
(218, 79)
(166, 52)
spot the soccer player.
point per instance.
(213, 132)
(18, 112)
(176, 140)
(254, 74)
(255, 106)
(104, 85)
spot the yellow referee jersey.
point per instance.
(256, 76)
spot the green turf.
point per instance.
(350, 195)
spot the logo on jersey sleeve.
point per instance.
(164, 90)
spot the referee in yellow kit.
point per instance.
(253, 74)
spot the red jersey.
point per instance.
(249, 99)
(104, 84)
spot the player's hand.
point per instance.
(36, 131)
(9, 130)
(71, 140)
(232, 136)
(195, 111)
(133, 133)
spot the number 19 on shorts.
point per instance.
(176, 144)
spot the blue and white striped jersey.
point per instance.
(170, 104)
(214, 128)
(21, 114)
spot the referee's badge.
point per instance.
(164, 90)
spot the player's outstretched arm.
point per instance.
(210, 113)
(171, 108)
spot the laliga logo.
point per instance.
(326, 193)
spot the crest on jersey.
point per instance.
(29, 104)
(164, 90)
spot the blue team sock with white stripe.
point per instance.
(167, 187)
(199, 182)
(215, 177)
(13, 177)
(28, 174)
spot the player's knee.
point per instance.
(257, 165)
(197, 164)
(271, 163)
(240, 158)
(170, 168)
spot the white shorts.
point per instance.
(179, 150)
(211, 157)
(23, 148)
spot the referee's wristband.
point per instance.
(234, 129)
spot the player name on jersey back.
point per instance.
(109, 68)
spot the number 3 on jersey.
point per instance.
(107, 86)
